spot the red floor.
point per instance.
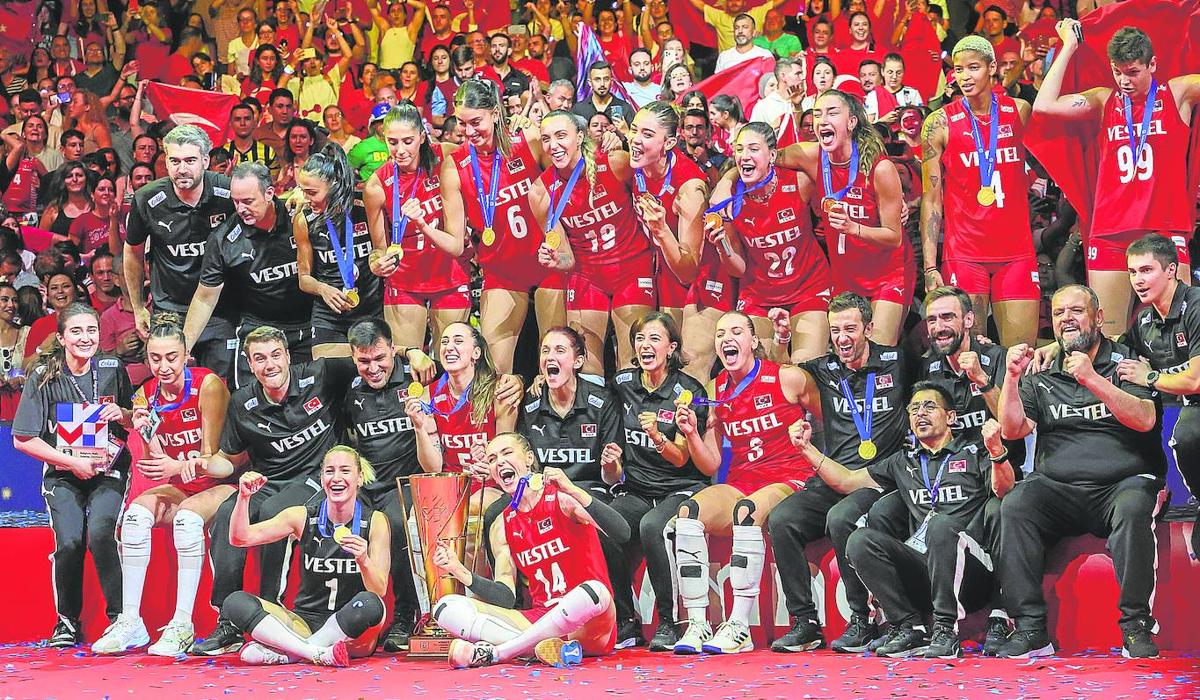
(29, 672)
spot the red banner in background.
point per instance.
(740, 81)
(207, 110)
(16, 27)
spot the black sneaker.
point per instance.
(665, 636)
(905, 642)
(396, 638)
(1026, 644)
(996, 635)
(805, 635)
(1137, 642)
(857, 636)
(629, 634)
(882, 639)
(225, 639)
(944, 644)
(66, 634)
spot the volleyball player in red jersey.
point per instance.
(425, 284)
(181, 409)
(547, 534)
(754, 401)
(1142, 183)
(979, 203)
(485, 183)
(868, 251)
(671, 192)
(774, 253)
(592, 230)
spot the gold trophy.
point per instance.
(439, 507)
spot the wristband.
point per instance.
(991, 384)
(1002, 457)
(932, 268)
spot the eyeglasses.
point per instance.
(922, 407)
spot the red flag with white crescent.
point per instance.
(207, 110)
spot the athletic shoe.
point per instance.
(1137, 642)
(397, 636)
(337, 655)
(692, 642)
(1026, 644)
(805, 635)
(559, 653)
(997, 634)
(225, 639)
(665, 636)
(125, 634)
(944, 644)
(905, 642)
(882, 639)
(260, 655)
(464, 654)
(176, 639)
(629, 634)
(858, 635)
(732, 637)
(66, 634)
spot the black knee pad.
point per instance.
(743, 512)
(245, 611)
(363, 612)
(689, 508)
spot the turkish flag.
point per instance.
(16, 25)
(741, 81)
(207, 110)
(1069, 149)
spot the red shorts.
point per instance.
(517, 276)
(671, 293)
(607, 287)
(713, 293)
(196, 486)
(896, 287)
(815, 302)
(1012, 280)
(750, 480)
(1107, 254)
(454, 298)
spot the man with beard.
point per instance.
(175, 215)
(499, 70)
(642, 90)
(723, 20)
(743, 48)
(600, 77)
(1098, 469)
(697, 145)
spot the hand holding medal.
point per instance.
(402, 215)
(343, 253)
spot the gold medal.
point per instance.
(713, 220)
(341, 533)
(986, 196)
(351, 296)
(489, 236)
(867, 449)
(535, 482)
(416, 390)
(828, 204)
(395, 250)
(685, 398)
(553, 240)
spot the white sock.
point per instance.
(458, 615)
(745, 569)
(330, 633)
(573, 611)
(189, 548)
(274, 633)
(691, 556)
(135, 556)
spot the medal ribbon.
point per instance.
(462, 400)
(987, 161)
(323, 524)
(344, 255)
(933, 489)
(487, 200)
(737, 390)
(641, 178)
(1138, 142)
(400, 222)
(95, 384)
(556, 210)
(862, 419)
(183, 396)
(827, 173)
(739, 195)
(517, 494)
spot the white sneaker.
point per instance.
(732, 637)
(176, 639)
(126, 634)
(692, 641)
(259, 655)
(337, 655)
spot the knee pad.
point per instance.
(746, 561)
(689, 509)
(243, 610)
(188, 532)
(136, 525)
(691, 555)
(585, 601)
(363, 612)
(743, 512)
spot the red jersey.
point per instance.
(996, 233)
(91, 231)
(1151, 194)
(857, 265)
(514, 221)
(601, 222)
(781, 254)
(756, 425)
(21, 195)
(458, 432)
(179, 434)
(552, 551)
(425, 268)
(682, 170)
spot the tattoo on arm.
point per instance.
(1079, 102)
(930, 149)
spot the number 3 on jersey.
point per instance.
(556, 585)
(1142, 170)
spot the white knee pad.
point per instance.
(135, 531)
(583, 602)
(188, 531)
(458, 615)
(746, 562)
(691, 557)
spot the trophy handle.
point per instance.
(412, 562)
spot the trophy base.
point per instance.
(429, 646)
